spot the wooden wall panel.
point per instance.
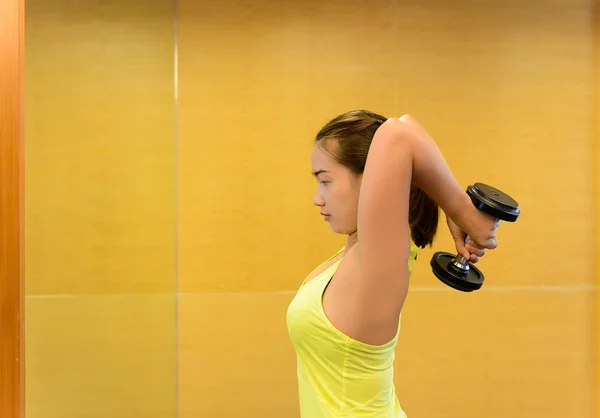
(100, 209)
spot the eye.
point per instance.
(322, 182)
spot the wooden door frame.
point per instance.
(12, 343)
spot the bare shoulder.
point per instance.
(359, 307)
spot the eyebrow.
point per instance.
(316, 173)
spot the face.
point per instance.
(337, 192)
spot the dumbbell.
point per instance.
(456, 271)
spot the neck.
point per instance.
(351, 240)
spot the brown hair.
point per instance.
(353, 132)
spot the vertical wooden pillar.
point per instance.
(12, 385)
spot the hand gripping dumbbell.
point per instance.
(455, 270)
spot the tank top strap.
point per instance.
(336, 254)
(304, 282)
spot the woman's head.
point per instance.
(338, 161)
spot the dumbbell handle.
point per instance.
(461, 262)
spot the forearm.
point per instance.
(430, 170)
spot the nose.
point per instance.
(318, 200)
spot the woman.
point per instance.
(380, 182)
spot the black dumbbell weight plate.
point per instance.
(445, 271)
(494, 202)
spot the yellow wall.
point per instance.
(256, 81)
(100, 209)
(263, 78)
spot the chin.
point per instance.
(334, 228)
(337, 230)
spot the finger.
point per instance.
(478, 251)
(474, 258)
(475, 248)
(461, 249)
(473, 244)
(489, 243)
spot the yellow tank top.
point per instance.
(337, 375)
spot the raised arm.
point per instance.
(470, 252)
(398, 156)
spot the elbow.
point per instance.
(411, 122)
(395, 130)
